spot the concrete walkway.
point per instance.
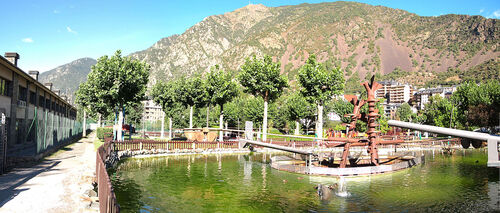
(57, 184)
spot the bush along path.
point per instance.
(61, 182)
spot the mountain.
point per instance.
(361, 38)
(67, 77)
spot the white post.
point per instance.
(99, 120)
(296, 128)
(264, 123)
(191, 117)
(319, 126)
(84, 123)
(170, 128)
(162, 124)
(120, 124)
(221, 121)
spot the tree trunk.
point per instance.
(264, 122)
(191, 117)
(162, 125)
(208, 113)
(170, 128)
(297, 129)
(84, 133)
(221, 123)
(99, 120)
(319, 126)
(120, 125)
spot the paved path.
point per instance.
(57, 184)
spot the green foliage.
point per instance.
(165, 94)
(191, 91)
(134, 112)
(101, 130)
(353, 85)
(118, 80)
(253, 110)
(478, 105)
(220, 88)
(440, 112)
(261, 77)
(404, 113)
(297, 107)
(341, 108)
(233, 111)
(396, 74)
(319, 84)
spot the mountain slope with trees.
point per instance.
(360, 38)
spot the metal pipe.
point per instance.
(273, 146)
(444, 131)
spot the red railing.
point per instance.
(107, 198)
(171, 145)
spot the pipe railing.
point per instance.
(493, 141)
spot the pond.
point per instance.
(246, 183)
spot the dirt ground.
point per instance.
(59, 183)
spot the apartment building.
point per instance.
(422, 96)
(394, 95)
(152, 111)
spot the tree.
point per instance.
(319, 85)
(261, 77)
(117, 81)
(440, 112)
(298, 108)
(220, 90)
(191, 93)
(164, 94)
(478, 105)
(404, 113)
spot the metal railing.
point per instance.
(493, 141)
(107, 198)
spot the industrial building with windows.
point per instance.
(33, 118)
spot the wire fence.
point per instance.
(50, 129)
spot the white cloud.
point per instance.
(496, 14)
(481, 10)
(70, 30)
(27, 40)
(57, 11)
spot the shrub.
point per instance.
(102, 130)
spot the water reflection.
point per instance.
(236, 183)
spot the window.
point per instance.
(32, 98)
(47, 103)
(5, 87)
(41, 101)
(22, 93)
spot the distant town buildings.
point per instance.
(395, 94)
(422, 96)
(152, 111)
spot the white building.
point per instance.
(423, 95)
(152, 111)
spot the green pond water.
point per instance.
(247, 183)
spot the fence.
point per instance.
(107, 198)
(171, 145)
(52, 130)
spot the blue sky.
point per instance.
(50, 33)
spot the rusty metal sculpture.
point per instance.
(371, 119)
